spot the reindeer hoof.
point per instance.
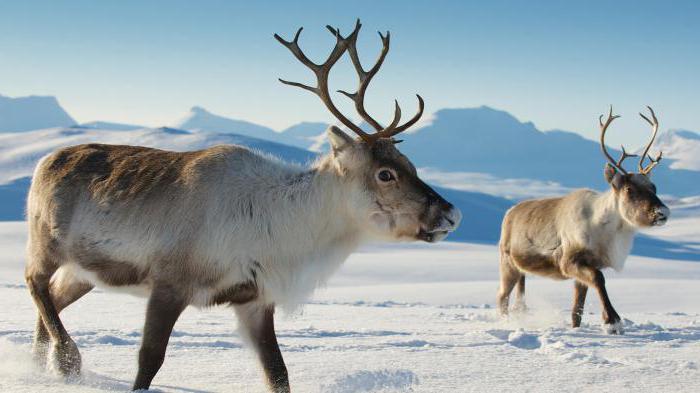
(39, 353)
(65, 359)
(614, 328)
(519, 307)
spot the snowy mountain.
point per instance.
(307, 135)
(305, 130)
(105, 125)
(19, 152)
(479, 143)
(490, 141)
(681, 146)
(483, 141)
(31, 113)
(470, 141)
(199, 119)
(483, 159)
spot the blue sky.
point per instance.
(557, 64)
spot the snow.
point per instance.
(105, 125)
(682, 147)
(479, 147)
(19, 152)
(31, 113)
(396, 318)
(199, 119)
(516, 189)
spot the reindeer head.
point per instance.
(395, 202)
(635, 193)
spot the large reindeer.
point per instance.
(577, 235)
(224, 225)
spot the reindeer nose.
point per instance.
(453, 217)
(662, 215)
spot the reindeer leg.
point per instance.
(580, 290)
(64, 289)
(164, 308)
(579, 268)
(519, 305)
(258, 326)
(613, 323)
(509, 277)
(65, 354)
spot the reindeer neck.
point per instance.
(607, 213)
(320, 200)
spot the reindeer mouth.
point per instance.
(660, 221)
(661, 216)
(431, 236)
(447, 223)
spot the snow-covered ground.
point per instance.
(410, 317)
(515, 189)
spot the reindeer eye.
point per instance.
(385, 175)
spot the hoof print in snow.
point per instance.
(371, 381)
(523, 340)
(614, 328)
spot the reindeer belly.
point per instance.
(541, 265)
(205, 279)
(117, 278)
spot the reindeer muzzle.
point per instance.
(661, 216)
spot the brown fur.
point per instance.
(237, 294)
(574, 237)
(259, 329)
(138, 217)
(120, 172)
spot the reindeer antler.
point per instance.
(603, 128)
(624, 155)
(322, 70)
(365, 78)
(654, 123)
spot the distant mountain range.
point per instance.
(486, 140)
(19, 153)
(491, 141)
(199, 119)
(469, 140)
(457, 142)
(300, 135)
(31, 113)
(683, 147)
(105, 125)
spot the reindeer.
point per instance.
(577, 235)
(220, 226)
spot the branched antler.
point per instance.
(618, 164)
(654, 123)
(321, 71)
(365, 78)
(624, 155)
(603, 128)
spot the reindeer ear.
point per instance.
(609, 173)
(612, 176)
(339, 140)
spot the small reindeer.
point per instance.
(577, 235)
(224, 225)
